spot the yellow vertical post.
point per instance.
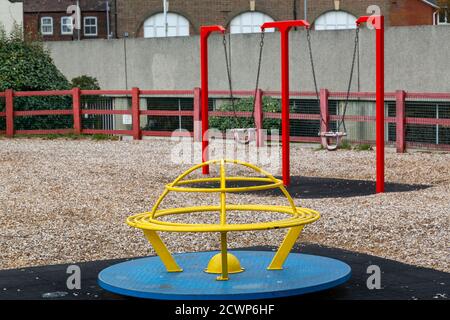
(161, 250)
(223, 221)
(285, 248)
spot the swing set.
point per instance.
(246, 135)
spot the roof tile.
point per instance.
(62, 5)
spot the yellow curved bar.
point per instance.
(149, 221)
(302, 216)
(201, 180)
(225, 189)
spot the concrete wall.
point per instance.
(417, 59)
(10, 13)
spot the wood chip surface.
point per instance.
(66, 201)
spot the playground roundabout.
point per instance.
(147, 278)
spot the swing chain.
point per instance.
(313, 69)
(347, 98)
(258, 73)
(230, 84)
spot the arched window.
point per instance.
(177, 25)
(249, 22)
(335, 20)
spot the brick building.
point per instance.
(49, 20)
(144, 18)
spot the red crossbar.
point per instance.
(428, 121)
(168, 113)
(44, 131)
(105, 112)
(28, 113)
(97, 131)
(362, 118)
(167, 92)
(105, 92)
(230, 114)
(444, 147)
(42, 93)
(361, 95)
(424, 95)
(166, 133)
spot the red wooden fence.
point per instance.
(136, 132)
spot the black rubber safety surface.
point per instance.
(303, 187)
(398, 280)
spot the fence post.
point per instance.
(135, 113)
(9, 108)
(400, 97)
(324, 114)
(76, 105)
(197, 115)
(259, 115)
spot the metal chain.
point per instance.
(355, 50)
(313, 69)
(258, 73)
(230, 84)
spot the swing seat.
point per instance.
(244, 135)
(331, 135)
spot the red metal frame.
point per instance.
(378, 23)
(76, 105)
(205, 31)
(135, 113)
(29, 113)
(9, 112)
(44, 131)
(284, 27)
(43, 93)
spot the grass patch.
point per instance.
(345, 145)
(102, 137)
(363, 147)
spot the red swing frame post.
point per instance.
(284, 27)
(378, 23)
(205, 31)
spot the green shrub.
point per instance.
(85, 82)
(363, 147)
(246, 105)
(27, 66)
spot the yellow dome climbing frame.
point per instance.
(150, 224)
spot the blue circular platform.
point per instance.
(147, 277)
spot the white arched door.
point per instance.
(249, 22)
(155, 26)
(335, 20)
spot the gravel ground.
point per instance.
(64, 201)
